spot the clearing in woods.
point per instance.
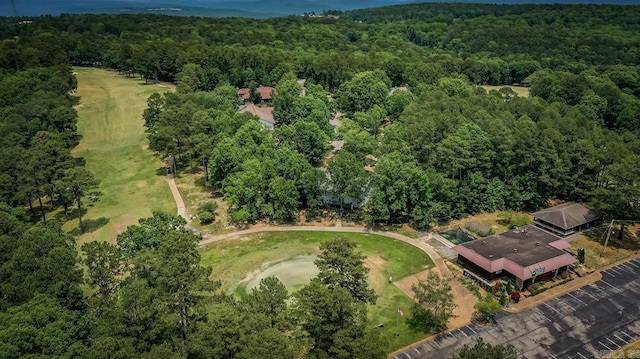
(240, 264)
(520, 90)
(114, 145)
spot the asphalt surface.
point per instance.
(587, 323)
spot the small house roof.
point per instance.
(263, 113)
(265, 92)
(566, 216)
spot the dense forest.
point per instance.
(423, 143)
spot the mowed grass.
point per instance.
(114, 147)
(236, 261)
(520, 90)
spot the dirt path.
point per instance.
(182, 210)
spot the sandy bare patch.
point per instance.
(294, 272)
(464, 299)
(376, 266)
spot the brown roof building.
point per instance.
(523, 255)
(565, 219)
(265, 93)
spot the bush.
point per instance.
(206, 217)
(210, 207)
(487, 308)
(515, 296)
(478, 228)
(513, 219)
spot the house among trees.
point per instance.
(264, 91)
(565, 219)
(264, 114)
(525, 256)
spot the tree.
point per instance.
(269, 302)
(363, 91)
(79, 183)
(192, 78)
(434, 305)
(487, 308)
(254, 95)
(335, 323)
(341, 265)
(483, 350)
(347, 177)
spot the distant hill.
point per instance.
(226, 8)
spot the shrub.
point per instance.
(478, 228)
(513, 219)
(487, 308)
(210, 207)
(206, 217)
(515, 296)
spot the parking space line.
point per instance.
(630, 337)
(417, 351)
(624, 341)
(609, 273)
(582, 356)
(626, 265)
(631, 263)
(617, 270)
(574, 297)
(471, 329)
(612, 342)
(553, 356)
(599, 342)
(461, 331)
(548, 306)
(607, 283)
(598, 288)
(587, 293)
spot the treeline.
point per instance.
(149, 297)
(38, 130)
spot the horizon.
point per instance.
(238, 8)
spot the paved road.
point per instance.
(584, 324)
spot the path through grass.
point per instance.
(114, 147)
(234, 261)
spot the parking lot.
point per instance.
(587, 323)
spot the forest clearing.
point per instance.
(238, 263)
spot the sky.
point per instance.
(267, 7)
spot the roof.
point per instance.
(264, 113)
(519, 251)
(265, 92)
(566, 216)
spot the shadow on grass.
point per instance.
(91, 225)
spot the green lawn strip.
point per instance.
(385, 311)
(114, 147)
(233, 260)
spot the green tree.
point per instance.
(341, 265)
(483, 350)
(487, 308)
(192, 78)
(79, 183)
(434, 304)
(363, 91)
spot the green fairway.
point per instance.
(239, 264)
(114, 147)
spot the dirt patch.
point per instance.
(464, 299)
(377, 278)
(294, 272)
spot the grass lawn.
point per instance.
(594, 253)
(114, 147)
(238, 263)
(520, 90)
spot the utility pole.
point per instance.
(608, 235)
